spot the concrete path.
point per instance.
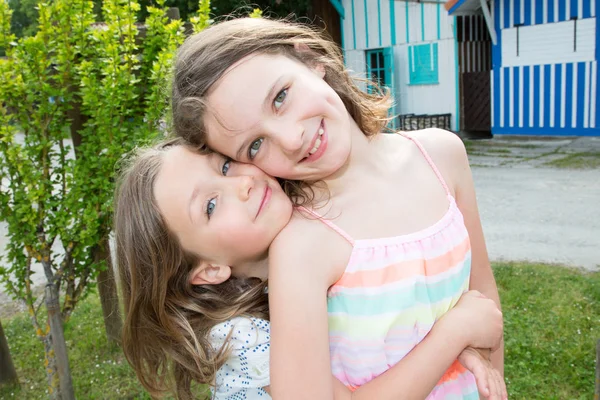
(532, 211)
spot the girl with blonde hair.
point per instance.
(386, 235)
(192, 233)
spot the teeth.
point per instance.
(314, 149)
(321, 131)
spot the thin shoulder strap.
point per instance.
(429, 161)
(329, 224)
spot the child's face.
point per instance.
(226, 212)
(278, 114)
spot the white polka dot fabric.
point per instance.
(246, 371)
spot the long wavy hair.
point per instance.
(204, 58)
(165, 334)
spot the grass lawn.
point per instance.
(552, 322)
(585, 160)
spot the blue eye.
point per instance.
(279, 99)
(225, 167)
(254, 147)
(210, 206)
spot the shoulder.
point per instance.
(293, 236)
(447, 151)
(440, 144)
(303, 251)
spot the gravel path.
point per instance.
(542, 215)
(531, 211)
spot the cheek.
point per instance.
(240, 238)
(275, 164)
(232, 228)
(322, 90)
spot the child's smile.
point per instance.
(280, 115)
(225, 211)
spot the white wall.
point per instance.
(549, 44)
(356, 63)
(427, 99)
(423, 20)
(426, 23)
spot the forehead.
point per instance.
(180, 167)
(179, 158)
(240, 93)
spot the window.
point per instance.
(380, 69)
(423, 64)
(379, 66)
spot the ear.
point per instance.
(301, 47)
(210, 274)
(317, 68)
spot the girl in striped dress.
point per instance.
(386, 236)
(194, 294)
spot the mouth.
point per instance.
(318, 144)
(265, 199)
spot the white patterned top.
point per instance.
(246, 372)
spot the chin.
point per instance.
(280, 219)
(329, 169)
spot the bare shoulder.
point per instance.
(441, 144)
(447, 151)
(298, 252)
(294, 239)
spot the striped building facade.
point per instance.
(545, 67)
(410, 47)
(539, 57)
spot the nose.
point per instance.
(290, 138)
(244, 185)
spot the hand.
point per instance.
(489, 380)
(480, 319)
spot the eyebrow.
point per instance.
(214, 163)
(271, 93)
(240, 151)
(266, 101)
(195, 194)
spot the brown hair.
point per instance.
(165, 335)
(204, 58)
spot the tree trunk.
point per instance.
(59, 346)
(109, 298)
(107, 287)
(8, 374)
(78, 120)
(52, 376)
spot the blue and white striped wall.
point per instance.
(550, 87)
(372, 24)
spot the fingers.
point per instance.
(482, 379)
(497, 386)
(493, 386)
(490, 383)
(502, 384)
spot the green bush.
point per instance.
(76, 96)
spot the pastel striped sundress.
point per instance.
(392, 292)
